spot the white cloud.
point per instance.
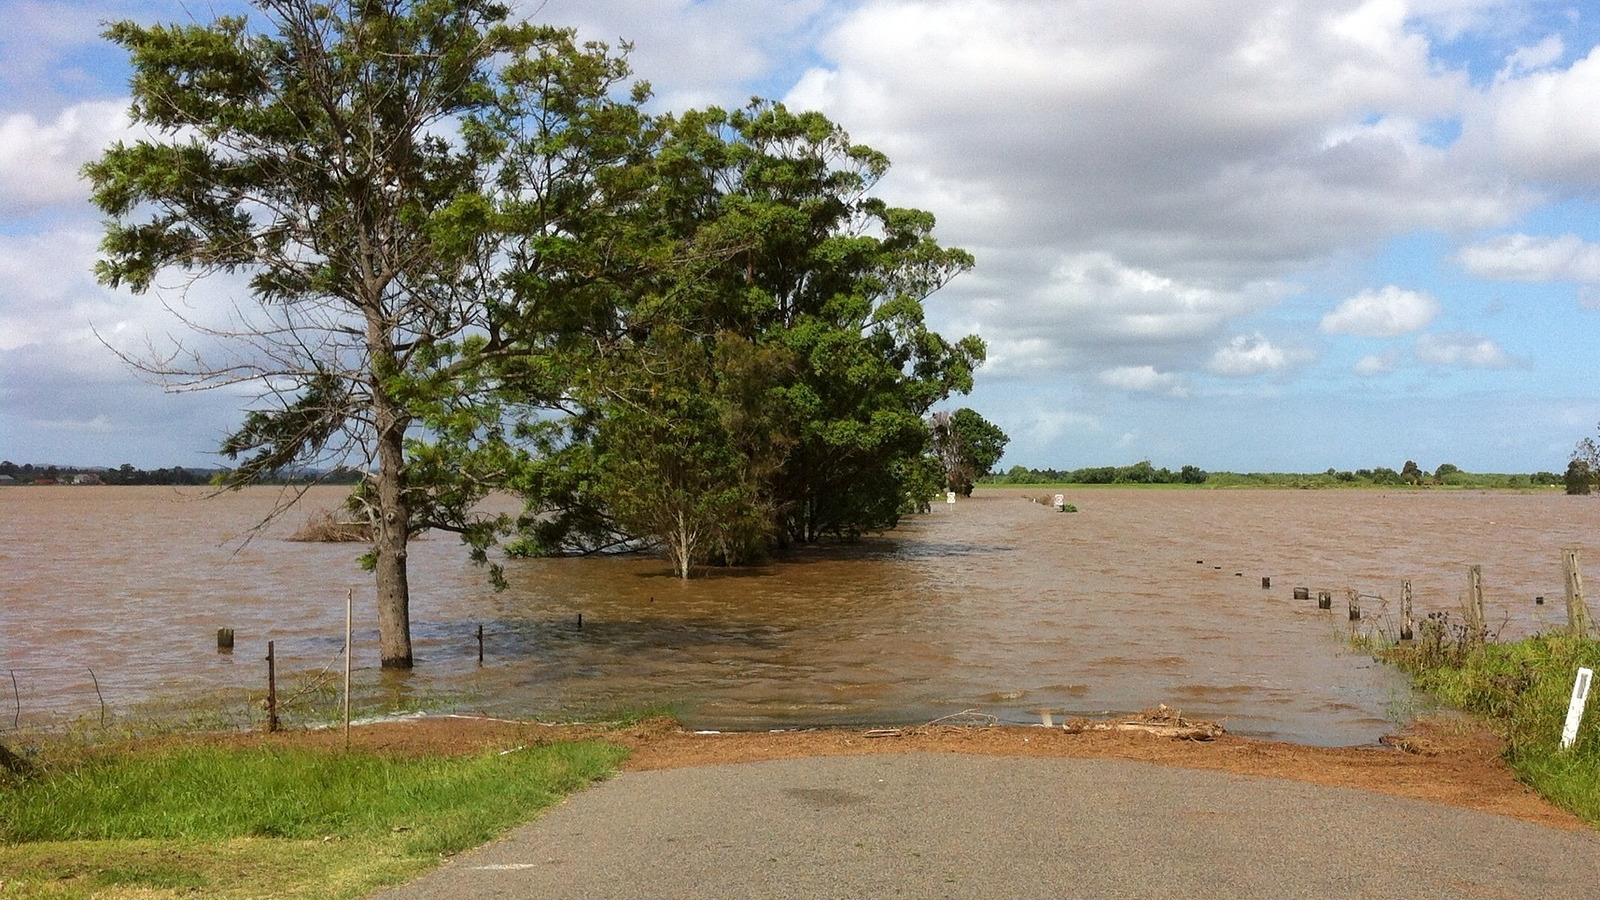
(1522, 257)
(1091, 311)
(694, 52)
(1542, 123)
(1461, 349)
(1231, 146)
(1535, 57)
(1375, 364)
(1387, 312)
(1144, 380)
(1248, 354)
(39, 160)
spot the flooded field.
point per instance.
(114, 595)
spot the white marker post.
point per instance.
(949, 496)
(1580, 696)
(1061, 502)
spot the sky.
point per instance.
(1247, 235)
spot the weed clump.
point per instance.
(324, 527)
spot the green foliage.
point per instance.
(1579, 478)
(1522, 689)
(260, 823)
(315, 152)
(1145, 473)
(447, 804)
(968, 445)
(756, 369)
(1583, 468)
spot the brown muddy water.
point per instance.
(997, 604)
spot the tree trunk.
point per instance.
(390, 535)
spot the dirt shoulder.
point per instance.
(1447, 762)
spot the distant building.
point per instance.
(87, 478)
(7, 479)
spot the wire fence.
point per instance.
(230, 689)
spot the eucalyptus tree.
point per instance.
(398, 182)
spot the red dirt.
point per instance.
(1448, 762)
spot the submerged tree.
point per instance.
(379, 169)
(768, 366)
(1583, 467)
(968, 445)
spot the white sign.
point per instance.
(949, 496)
(1580, 696)
(1061, 500)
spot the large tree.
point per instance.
(968, 445)
(400, 181)
(768, 351)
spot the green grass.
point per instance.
(1521, 689)
(266, 821)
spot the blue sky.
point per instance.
(1249, 235)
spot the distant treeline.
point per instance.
(1446, 475)
(30, 473)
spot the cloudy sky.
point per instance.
(1248, 235)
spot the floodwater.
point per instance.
(113, 596)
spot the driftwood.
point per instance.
(1162, 721)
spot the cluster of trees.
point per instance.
(966, 447)
(127, 473)
(479, 264)
(1141, 472)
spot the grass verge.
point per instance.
(264, 822)
(1521, 689)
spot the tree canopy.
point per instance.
(475, 263)
(378, 170)
(968, 446)
(766, 369)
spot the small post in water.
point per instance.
(1324, 599)
(1405, 611)
(480, 645)
(1355, 605)
(1266, 582)
(1580, 696)
(224, 640)
(1476, 619)
(1578, 619)
(1301, 593)
(272, 689)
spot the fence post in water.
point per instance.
(1405, 611)
(1302, 593)
(1324, 599)
(1355, 605)
(272, 689)
(1266, 582)
(1577, 611)
(224, 640)
(1476, 621)
(480, 645)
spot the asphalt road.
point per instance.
(946, 825)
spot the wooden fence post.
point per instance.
(1324, 599)
(272, 688)
(1477, 622)
(1355, 605)
(1405, 611)
(1578, 619)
